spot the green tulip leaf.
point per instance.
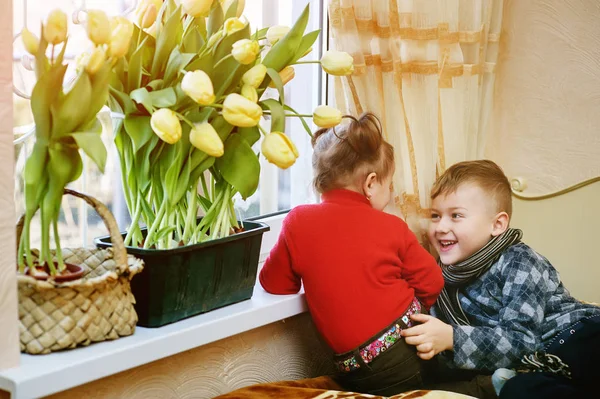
(307, 42)
(277, 114)
(91, 143)
(250, 134)
(67, 113)
(306, 127)
(239, 166)
(164, 98)
(142, 96)
(139, 130)
(124, 101)
(274, 75)
(134, 70)
(169, 34)
(285, 49)
(44, 94)
(215, 19)
(232, 10)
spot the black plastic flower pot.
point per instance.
(185, 281)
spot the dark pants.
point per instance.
(439, 376)
(577, 346)
(395, 371)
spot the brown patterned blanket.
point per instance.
(322, 388)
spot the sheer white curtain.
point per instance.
(426, 68)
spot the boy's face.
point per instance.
(462, 222)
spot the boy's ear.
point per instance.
(500, 224)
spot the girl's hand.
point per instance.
(431, 337)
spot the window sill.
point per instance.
(44, 375)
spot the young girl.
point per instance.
(363, 270)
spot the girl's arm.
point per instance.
(277, 275)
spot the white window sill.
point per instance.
(44, 375)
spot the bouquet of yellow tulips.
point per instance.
(65, 122)
(187, 95)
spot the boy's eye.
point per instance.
(435, 216)
(456, 215)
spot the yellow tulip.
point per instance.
(149, 17)
(199, 87)
(337, 63)
(255, 75)
(98, 27)
(250, 93)
(95, 61)
(30, 41)
(239, 111)
(278, 149)
(152, 29)
(286, 74)
(205, 138)
(240, 7)
(326, 117)
(55, 29)
(196, 8)
(232, 25)
(245, 51)
(274, 33)
(120, 36)
(166, 125)
(142, 9)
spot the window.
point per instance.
(279, 190)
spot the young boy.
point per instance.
(503, 305)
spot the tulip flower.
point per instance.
(199, 87)
(232, 25)
(165, 124)
(240, 7)
(142, 10)
(55, 29)
(286, 74)
(274, 33)
(255, 75)
(31, 42)
(250, 93)
(149, 17)
(239, 111)
(196, 8)
(245, 51)
(95, 61)
(120, 36)
(326, 117)
(337, 63)
(204, 137)
(278, 149)
(98, 27)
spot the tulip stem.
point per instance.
(291, 115)
(183, 118)
(219, 106)
(221, 61)
(307, 62)
(262, 129)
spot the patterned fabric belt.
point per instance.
(349, 362)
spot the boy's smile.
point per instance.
(462, 222)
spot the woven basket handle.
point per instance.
(119, 251)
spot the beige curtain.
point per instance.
(426, 68)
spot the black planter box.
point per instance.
(185, 281)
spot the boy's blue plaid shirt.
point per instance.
(515, 309)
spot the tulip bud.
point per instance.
(142, 9)
(214, 38)
(81, 61)
(152, 29)
(149, 17)
(98, 27)
(199, 87)
(326, 117)
(286, 74)
(245, 51)
(274, 33)
(278, 149)
(55, 30)
(30, 41)
(232, 25)
(120, 36)
(95, 61)
(255, 75)
(250, 93)
(205, 138)
(239, 111)
(240, 7)
(337, 63)
(196, 8)
(165, 124)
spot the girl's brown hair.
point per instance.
(345, 155)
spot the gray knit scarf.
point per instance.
(458, 275)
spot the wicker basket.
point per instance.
(94, 308)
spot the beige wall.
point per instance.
(547, 129)
(547, 105)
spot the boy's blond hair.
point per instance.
(483, 173)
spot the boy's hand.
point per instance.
(431, 337)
